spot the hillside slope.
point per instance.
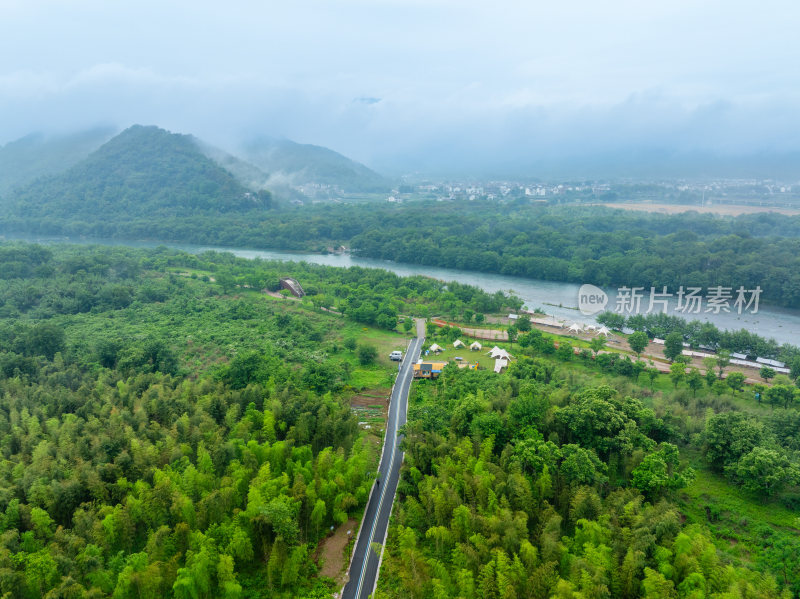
(251, 176)
(36, 155)
(303, 164)
(144, 172)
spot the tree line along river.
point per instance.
(558, 299)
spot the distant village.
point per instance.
(739, 192)
(722, 192)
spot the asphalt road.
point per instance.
(364, 565)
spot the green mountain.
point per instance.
(303, 164)
(36, 155)
(251, 176)
(142, 173)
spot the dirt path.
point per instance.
(330, 553)
(279, 296)
(486, 334)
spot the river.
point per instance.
(558, 299)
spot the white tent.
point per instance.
(458, 343)
(499, 364)
(603, 331)
(498, 353)
(575, 328)
(436, 348)
(591, 327)
(476, 346)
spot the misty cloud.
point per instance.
(424, 86)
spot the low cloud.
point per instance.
(431, 86)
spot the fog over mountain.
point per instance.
(576, 88)
(37, 155)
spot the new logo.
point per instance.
(591, 299)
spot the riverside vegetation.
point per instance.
(169, 430)
(559, 243)
(146, 183)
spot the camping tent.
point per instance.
(499, 364)
(575, 328)
(458, 343)
(498, 353)
(603, 331)
(475, 346)
(436, 348)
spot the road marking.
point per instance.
(376, 516)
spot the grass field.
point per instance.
(383, 371)
(450, 353)
(739, 520)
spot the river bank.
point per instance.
(780, 324)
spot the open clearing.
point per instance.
(330, 553)
(372, 407)
(722, 209)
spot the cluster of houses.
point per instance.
(431, 368)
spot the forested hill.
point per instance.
(36, 155)
(301, 164)
(253, 177)
(144, 172)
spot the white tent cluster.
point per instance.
(589, 328)
(501, 358)
(499, 354)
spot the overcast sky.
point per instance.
(412, 83)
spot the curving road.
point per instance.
(363, 574)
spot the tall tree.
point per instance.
(694, 379)
(723, 359)
(673, 345)
(638, 342)
(735, 380)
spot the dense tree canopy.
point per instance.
(560, 243)
(518, 487)
(169, 430)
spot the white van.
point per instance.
(397, 356)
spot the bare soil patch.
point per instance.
(371, 397)
(372, 407)
(330, 553)
(483, 334)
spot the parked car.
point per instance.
(396, 356)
